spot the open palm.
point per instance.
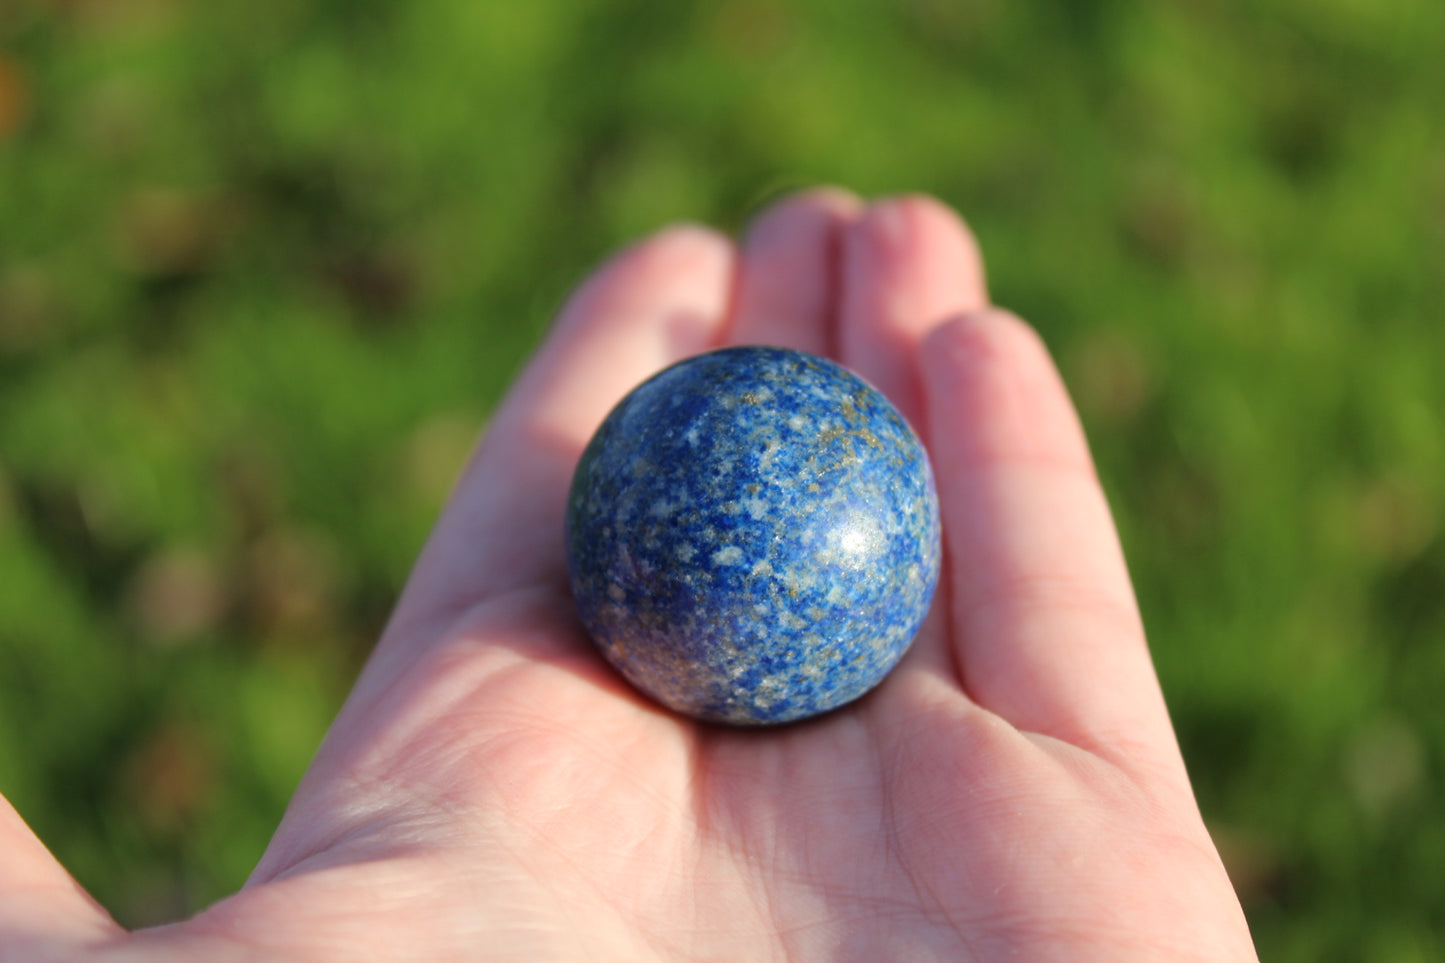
(492, 790)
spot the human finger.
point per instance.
(44, 913)
(1045, 626)
(909, 263)
(662, 300)
(790, 265)
(500, 536)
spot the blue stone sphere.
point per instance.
(753, 536)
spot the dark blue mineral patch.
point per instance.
(753, 536)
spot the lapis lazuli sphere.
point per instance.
(753, 536)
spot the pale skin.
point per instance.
(492, 790)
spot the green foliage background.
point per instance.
(266, 266)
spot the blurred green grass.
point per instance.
(265, 268)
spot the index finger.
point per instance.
(663, 299)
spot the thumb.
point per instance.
(44, 912)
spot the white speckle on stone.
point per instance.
(835, 595)
(693, 436)
(799, 422)
(662, 508)
(796, 581)
(768, 690)
(793, 622)
(756, 507)
(727, 555)
(762, 568)
(685, 553)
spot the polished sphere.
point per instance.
(753, 536)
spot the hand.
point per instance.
(492, 790)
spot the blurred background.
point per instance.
(265, 268)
